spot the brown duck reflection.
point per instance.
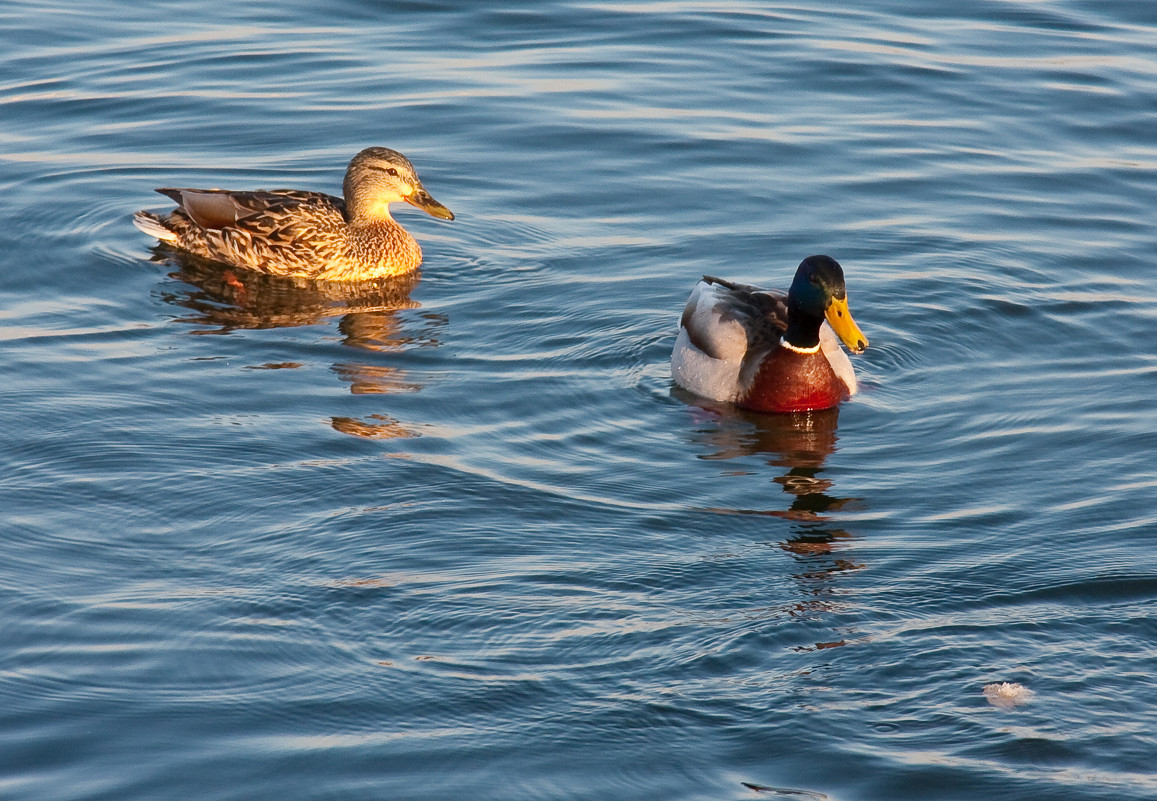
(221, 299)
(797, 446)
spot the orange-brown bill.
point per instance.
(421, 199)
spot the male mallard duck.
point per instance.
(767, 351)
(305, 234)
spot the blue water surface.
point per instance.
(460, 536)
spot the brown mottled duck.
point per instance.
(304, 234)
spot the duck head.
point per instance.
(377, 177)
(816, 294)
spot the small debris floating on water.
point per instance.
(1007, 694)
(785, 791)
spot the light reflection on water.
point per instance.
(223, 300)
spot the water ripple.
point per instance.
(461, 531)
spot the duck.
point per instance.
(298, 234)
(767, 351)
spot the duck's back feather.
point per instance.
(280, 231)
(220, 208)
(725, 330)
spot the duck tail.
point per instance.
(154, 226)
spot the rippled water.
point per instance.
(461, 536)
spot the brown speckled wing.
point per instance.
(285, 233)
(289, 201)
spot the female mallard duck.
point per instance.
(767, 351)
(305, 234)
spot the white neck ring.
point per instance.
(794, 349)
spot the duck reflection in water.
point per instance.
(797, 445)
(222, 300)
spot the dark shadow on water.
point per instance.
(221, 299)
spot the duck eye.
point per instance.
(392, 171)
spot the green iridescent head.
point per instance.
(818, 293)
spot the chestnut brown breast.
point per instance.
(794, 382)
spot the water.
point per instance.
(462, 537)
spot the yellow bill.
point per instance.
(840, 319)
